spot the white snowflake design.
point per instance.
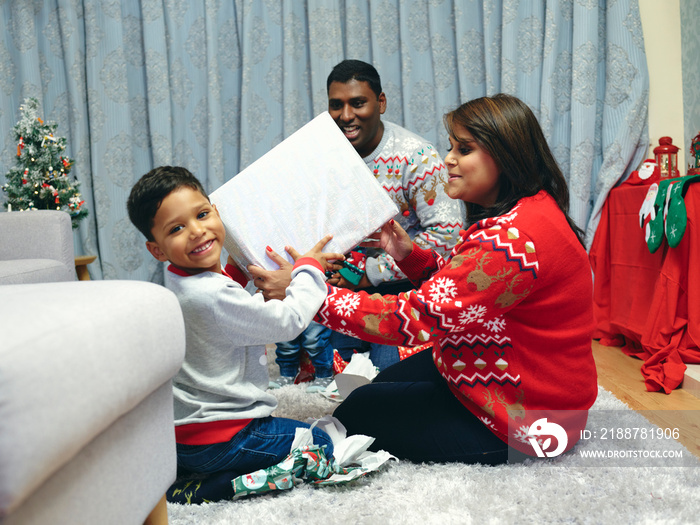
(473, 313)
(486, 421)
(343, 331)
(444, 211)
(506, 218)
(443, 290)
(496, 325)
(346, 304)
(522, 435)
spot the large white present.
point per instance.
(311, 184)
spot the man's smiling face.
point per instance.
(357, 110)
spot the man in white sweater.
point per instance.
(411, 171)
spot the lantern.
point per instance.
(667, 158)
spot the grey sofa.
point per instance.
(86, 411)
(36, 247)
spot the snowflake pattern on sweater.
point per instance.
(479, 309)
(412, 172)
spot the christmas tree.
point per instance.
(40, 178)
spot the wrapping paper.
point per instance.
(311, 184)
(359, 371)
(307, 462)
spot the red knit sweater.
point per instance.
(510, 316)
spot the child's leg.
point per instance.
(287, 359)
(262, 443)
(419, 419)
(316, 341)
(383, 356)
(347, 345)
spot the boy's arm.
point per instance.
(250, 320)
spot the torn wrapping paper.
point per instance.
(307, 462)
(359, 371)
(311, 184)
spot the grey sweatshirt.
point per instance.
(224, 375)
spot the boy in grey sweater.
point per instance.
(222, 409)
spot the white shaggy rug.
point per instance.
(559, 490)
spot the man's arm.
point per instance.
(272, 283)
(438, 218)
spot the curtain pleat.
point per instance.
(213, 85)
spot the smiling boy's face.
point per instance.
(188, 232)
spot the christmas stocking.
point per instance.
(655, 228)
(647, 212)
(676, 216)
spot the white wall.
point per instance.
(661, 24)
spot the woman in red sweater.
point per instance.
(509, 314)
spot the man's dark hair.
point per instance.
(358, 70)
(148, 193)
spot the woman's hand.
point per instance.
(393, 239)
(325, 259)
(273, 283)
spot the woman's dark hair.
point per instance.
(506, 128)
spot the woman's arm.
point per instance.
(478, 285)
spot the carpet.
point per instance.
(565, 489)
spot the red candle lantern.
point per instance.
(667, 158)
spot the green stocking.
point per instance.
(656, 226)
(677, 217)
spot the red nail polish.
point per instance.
(268, 248)
(391, 222)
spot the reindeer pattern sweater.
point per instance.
(509, 314)
(412, 172)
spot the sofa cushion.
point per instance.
(23, 271)
(75, 357)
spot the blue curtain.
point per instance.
(215, 84)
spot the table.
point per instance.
(647, 303)
(81, 262)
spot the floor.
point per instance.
(621, 375)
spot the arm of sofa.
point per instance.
(39, 235)
(76, 358)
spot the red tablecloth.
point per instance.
(647, 303)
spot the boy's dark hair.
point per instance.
(148, 193)
(358, 70)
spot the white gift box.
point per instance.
(311, 184)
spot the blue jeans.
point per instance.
(262, 443)
(382, 356)
(315, 339)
